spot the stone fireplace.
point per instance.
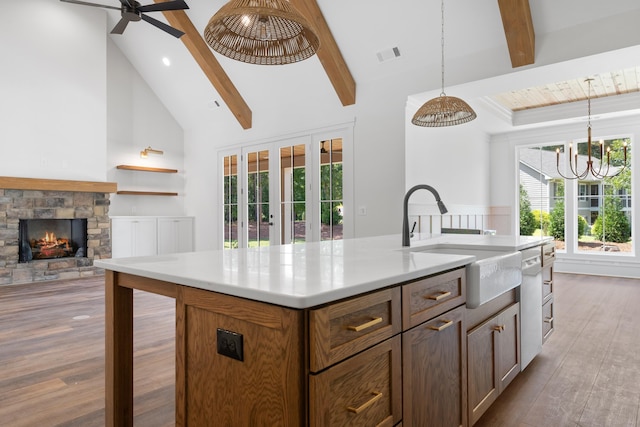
(70, 207)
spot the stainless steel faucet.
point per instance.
(405, 220)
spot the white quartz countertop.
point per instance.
(311, 274)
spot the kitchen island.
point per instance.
(285, 335)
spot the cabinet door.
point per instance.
(508, 357)
(175, 235)
(482, 343)
(434, 376)
(493, 358)
(133, 237)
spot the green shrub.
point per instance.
(527, 221)
(583, 226)
(556, 221)
(541, 221)
(616, 225)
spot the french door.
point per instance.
(287, 191)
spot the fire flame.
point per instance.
(50, 237)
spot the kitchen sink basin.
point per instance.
(490, 275)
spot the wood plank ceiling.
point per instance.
(516, 18)
(604, 84)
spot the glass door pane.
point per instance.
(331, 202)
(230, 201)
(293, 193)
(258, 215)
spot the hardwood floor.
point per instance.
(52, 358)
(52, 355)
(588, 373)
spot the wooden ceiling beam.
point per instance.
(518, 28)
(203, 55)
(329, 53)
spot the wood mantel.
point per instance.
(14, 183)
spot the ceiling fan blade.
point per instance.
(169, 29)
(169, 5)
(90, 4)
(128, 3)
(120, 26)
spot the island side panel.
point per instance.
(266, 387)
(118, 353)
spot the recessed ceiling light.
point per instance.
(166, 61)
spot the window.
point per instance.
(597, 212)
(582, 192)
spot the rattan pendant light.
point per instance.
(443, 110)
(263, 32)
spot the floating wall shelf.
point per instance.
(146, 169)
(146, 193)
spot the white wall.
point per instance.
(137, 119)
(454, 160)
(53, 103)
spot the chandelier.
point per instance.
(263, 32)
(600, 172)
(443, 110)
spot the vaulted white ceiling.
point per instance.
(566, 32)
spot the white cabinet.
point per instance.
(133, 236)
(150, 235)
(175, 234)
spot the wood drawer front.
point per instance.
(365, 390)
(430, 297)
(340, 330)
(547, 319)
(548, 253)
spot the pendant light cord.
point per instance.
(589, 104)
(442, 46)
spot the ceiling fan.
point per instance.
(132, 11)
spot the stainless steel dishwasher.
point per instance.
(530, 306)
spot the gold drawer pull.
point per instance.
(376, 396)
(498, 328)
(445, 325)
(369, 324)
(548, 319)
(439, 297)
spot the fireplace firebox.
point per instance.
(52, 238)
